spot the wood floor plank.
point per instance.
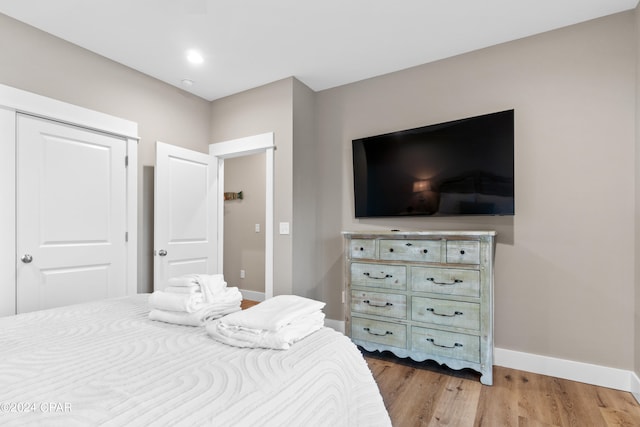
(245, 303)
(536, 401)
(461, 395)
(525, 422)
(616, 408)
(615, 418)
(570, 412)
(410, 392)
(498, 404)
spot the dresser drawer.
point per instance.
(463, 252)
(376, 331)
(448, 344)
(363, 248)
(446, 312)
(446, 281)
(410, 250)
(389, 305)
(379, 275)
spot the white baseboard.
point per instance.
(252, 295)
(635, 386)
(602, 376)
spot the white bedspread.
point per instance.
(106, 363)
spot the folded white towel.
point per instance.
(213, 312)
(182, 289)
(231, 294)
(176, 317)
(188, 303)
(274, 313)
(277, 340)
(197, 318)
(211, 285)
(185, 280)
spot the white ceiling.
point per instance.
(324, 43)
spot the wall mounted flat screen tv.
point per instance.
(462, 167)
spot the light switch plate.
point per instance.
(284, 228)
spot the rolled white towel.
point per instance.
(188, 303)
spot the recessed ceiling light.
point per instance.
(187, 82)
(194, 57)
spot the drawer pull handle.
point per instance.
(431, 340)
(380, 335)
(425, 251)
(361, 249)
(386, 276)
(455, 281)
(455, 313)
(390, 249)
(377, 305)
(408, 244)
(461, 252)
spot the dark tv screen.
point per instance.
(462, 167)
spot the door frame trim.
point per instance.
(14, 101)
(237, 148)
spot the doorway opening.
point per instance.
(240, 148)
(244, 213)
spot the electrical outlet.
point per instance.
(257, 228)
(242, 274)
(343, 297)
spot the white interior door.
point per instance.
(71, 215)
(184, 226)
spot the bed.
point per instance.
(106, 363)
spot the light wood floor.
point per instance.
(247, 303)
(425, 394)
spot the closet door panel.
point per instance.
(71, 215)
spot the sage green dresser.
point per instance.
(423, 295)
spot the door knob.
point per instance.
(162, 252)
(26, 258)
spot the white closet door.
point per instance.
(184, 234)
(71, 215)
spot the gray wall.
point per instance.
(37, 62)
(306, 281)
(637, 199)
(564, 280)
